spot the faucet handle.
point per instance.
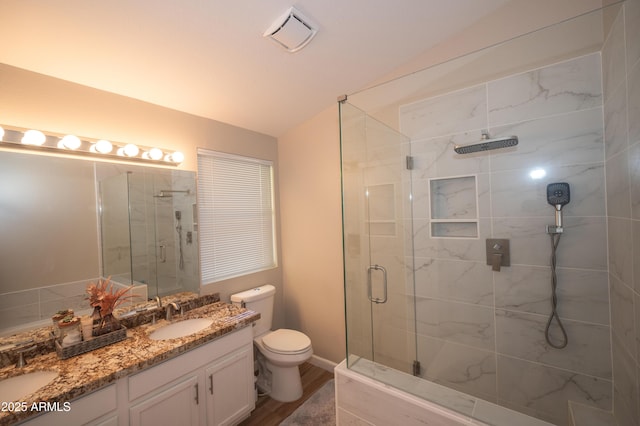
(496, 262)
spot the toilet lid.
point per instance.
(286, 341)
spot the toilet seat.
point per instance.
(285, 341)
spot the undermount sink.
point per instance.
(17, 387)
(181, 329)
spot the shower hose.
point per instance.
(555, 240)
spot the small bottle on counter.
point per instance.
(59, 316)
(69, 331)
(86, 323)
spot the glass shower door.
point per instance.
(164, 244)
(377, 241)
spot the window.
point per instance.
(236, 215)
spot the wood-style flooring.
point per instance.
(270, 413)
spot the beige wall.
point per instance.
(32, 100)
(515, 18)
(311, 212)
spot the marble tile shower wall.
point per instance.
(621, 86)
(39, 304)
(482, 332)
(34, 307)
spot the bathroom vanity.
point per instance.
(205, 378)
(211, 385)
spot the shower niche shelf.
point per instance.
(454, 207)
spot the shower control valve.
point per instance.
(498, 253)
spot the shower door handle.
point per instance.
(163, 253)
(384, 284)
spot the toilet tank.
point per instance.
(259, 299)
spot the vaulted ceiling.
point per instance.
(209, 57)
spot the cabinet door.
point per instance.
(177, 405)
(230, 388)
(96, 408)
(108, 421)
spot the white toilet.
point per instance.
(279, 352)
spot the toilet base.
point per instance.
(286, 385)
(278, 374)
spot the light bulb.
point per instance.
(102, 146)
(131, 150)
(70, 142)
(153, 154)
(1, 134)
(33, 137)
(177, 157)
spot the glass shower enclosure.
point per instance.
(149, 228)
(378, 257)
(421, 296)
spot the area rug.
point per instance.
(319, 409)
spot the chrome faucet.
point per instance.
(171, 309)
(158, 302)
(21, 360)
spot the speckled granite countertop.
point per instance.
(88, 372)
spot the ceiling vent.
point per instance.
(291, 31)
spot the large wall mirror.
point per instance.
(65, 222)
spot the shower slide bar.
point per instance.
(370, 270)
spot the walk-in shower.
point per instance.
(421, 302)
(148, 229)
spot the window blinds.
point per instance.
(236, 215)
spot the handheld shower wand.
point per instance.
(558, 195)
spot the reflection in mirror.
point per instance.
(114, 227)
(50, 233)
(148, 229)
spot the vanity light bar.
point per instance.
(29, 139)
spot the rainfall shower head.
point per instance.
(162, 194)
(168, 193)
(486, 144)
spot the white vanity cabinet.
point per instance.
(176, 404)
(230, 395)
(98, 408)
(209, 385)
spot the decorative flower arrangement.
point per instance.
(103, 298)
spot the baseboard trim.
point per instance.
(323, 363)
